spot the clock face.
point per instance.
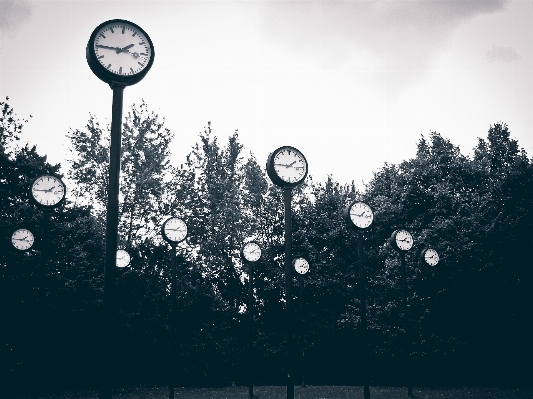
(288, 166)
(123, 258)
(48, 190)
(431, 257)
(251, 252)
(301, 265)
(22, 239)
(404, 240)
(361, 215)
(174, 230)
(122, 48)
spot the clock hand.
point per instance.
(118, 49)
(123, 49)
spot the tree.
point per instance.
(145, 161)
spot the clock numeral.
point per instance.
(141, 43)
(111, 28)
(134, 34)
(101, 34)
(144, 54)
(109, 66)
(131, 69)
(141, 64)
(100, 57)
(120, 71)
(123, 27)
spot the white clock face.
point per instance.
(301, 265)
(404, 240)
(122, 49)
(22, 239)
(361, 215)
(251, 252)
(123, 258)
(290, 165)
(48, 190)
(175, 230)
(431, 257)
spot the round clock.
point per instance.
(120, 52)
(48, 191)
(174, 230)
(22, 239)
(123, 258)
(401, 240)
(286, 167)
(300, 265)
(251, 251)
(359, 215)
(430, 256)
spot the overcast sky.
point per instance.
(351, 84)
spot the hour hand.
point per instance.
(124, 49)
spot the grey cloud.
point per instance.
(403, 35)
(503, 54)
(13, 15)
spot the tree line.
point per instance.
(468, 316)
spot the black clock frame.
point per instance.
(348, 219)
(108, 76)
(163, 234)
(271, 172)
(394, 245)
(423, 255)
(43, 206)
(242, 251)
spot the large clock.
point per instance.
(358, 215)
(123, 258)
(430, 256)
(174, 230)
(401, 240)
(120, 52)
(22, 239)
(251, 251)
(300, 265)
(48, 191)
(286, 167)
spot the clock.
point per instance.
(22, 239)
(286, 167)
(48, 191)
(358, 215)
(300, 265)
(401, 240)
(174, 230)
(123, 258)
(120, 52)
(251, 251)
(430, 256)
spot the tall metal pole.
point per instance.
(407, 346)
(251, 330)
(38, 356)
(288, 291)
(302, 329)
(362, 295)
(111, 238)
(172, 346)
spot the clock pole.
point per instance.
(288, 291)
(405, 318)
(251, 329)
(111, 241)
(172, 345)
(362, 295)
